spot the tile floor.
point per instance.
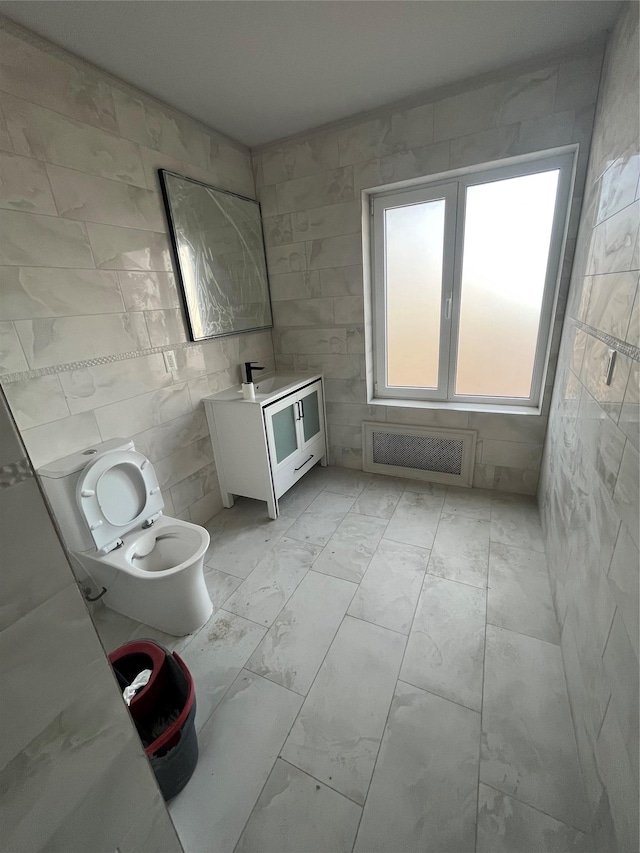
(381, 673)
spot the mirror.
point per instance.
(220, 258)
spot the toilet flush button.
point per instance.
(87, 493)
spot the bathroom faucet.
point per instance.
(249, 367)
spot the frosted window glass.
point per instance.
(311, 420)
(284, 433)
(506, 249)
(414, 254)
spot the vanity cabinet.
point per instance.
(263, 446)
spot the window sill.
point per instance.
(484, 408)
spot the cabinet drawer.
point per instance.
(286, 477)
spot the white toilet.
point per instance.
(108, 506)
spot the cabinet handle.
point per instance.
(299, 408)
(304, 463)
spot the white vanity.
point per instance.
(263, 446)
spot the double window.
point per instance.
(464, 281)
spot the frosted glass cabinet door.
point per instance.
(311, 408)
(283, 426)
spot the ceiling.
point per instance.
(261, 70)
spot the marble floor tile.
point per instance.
(380, 497)
(238, 748)
(267, 589)
(515, 521)
(296, 644)
(344, 481)
(506, 825)
(415, 519)
(338, 731)
(320, 520)
(215, 657)
(423, 791)
(389, 590)
(350, 549)
(528, 746)
(461, 550)
(241, 536)
(474, 503)
(296, 814)
(519, 596)
(446, 644)
(294, 502)
(220, 586)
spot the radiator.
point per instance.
(420, 453)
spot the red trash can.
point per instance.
(163, 711)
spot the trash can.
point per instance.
(163, 711)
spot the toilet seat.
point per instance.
(115, 493)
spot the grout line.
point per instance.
(536, 809)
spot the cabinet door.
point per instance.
(312, 411)
(282, 431)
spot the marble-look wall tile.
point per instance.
(316, 190)
(611, 301)
(47, 135)
(92, 199)
(342, 251)
(58, 340)
(116, 248)
(342, 281)
(44, 78)
(166, 326)
(90, 387)
(468, 112)
(144, 121)
(403, 166)
(162, 440)
(24, 185)
(624, 583)
(388, 135)
(25, 584)
(29, 292)
(11, 354)
(59, 438)
(303, 312)
(329, 221)
(294, 285)
(298, 159)
(184, 462)
(36, 401)
(157, 407)
(45, 241)
(148, 291)
(5, 138)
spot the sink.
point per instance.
(274, 385)
(270, 384)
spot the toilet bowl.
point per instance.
(108, 506)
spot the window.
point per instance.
(465, 274)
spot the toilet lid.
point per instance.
(115, 493)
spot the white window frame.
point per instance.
(453, 187)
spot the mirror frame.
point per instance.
(166, 197)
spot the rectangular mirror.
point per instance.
(220, 257)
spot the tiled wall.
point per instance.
(73, 775)
(89, 300)
(310, 191)
(589, 483)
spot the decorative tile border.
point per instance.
(15, 473)
(623, 347)
(8, 378)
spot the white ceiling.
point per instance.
(261, 70)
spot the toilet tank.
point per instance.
(59, 480)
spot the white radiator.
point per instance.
(422, 453)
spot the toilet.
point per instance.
(108, 506)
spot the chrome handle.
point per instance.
(299, 410)
(304, 463)
(447, 309)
